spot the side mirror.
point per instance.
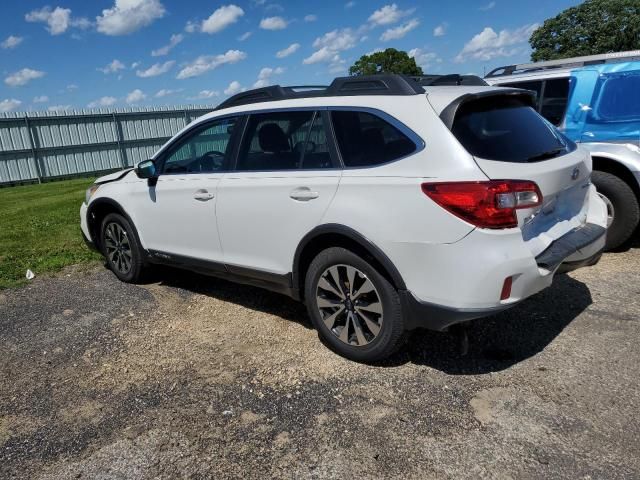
(146, 169)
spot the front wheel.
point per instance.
(623, 210)
(355, 309)
(121, 248)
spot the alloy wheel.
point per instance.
(349, 305)
(118, 248)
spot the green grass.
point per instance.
(40, 229)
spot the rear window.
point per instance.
(507, 130)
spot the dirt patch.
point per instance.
(193, 377)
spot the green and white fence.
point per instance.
(39, 146)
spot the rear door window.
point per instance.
(366, 140)
(275, 141)
(508, 130)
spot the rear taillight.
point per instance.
(490, 204)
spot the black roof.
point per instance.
(343, 86)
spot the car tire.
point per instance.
(343, 291)
(622, 204)
(121, 248)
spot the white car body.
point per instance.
(449, 269)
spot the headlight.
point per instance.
(90, 191)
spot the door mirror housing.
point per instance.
(146, 169)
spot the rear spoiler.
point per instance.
(448, 115)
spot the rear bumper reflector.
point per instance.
(568, 244)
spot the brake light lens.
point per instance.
(489, 204)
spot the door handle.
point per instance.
(203, 195)
(303, 194)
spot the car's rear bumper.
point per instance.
(420, 314)
(580, 247)
(576, 247)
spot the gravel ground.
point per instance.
(192, 377)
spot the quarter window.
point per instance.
(205, 151)
(366, 140)
(619, 97)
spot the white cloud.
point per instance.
(127, 16)
(264, 77)
(135, 96)
(233, 88)
(9, 104)
(58, 20)
(337, 40)
(389, 14)
(440, 30)
(156, 69)
(310, 18)
(488, 44)
(244, 36)
(221, 19)
(273, 23)
(22, 77)
(349, 5)
(40, 99)
(59, 108)
(290, 50)
(103, 102)
(72, 87)
(112, 67)
(165, 92)
(329, 46)
(173, 41)
(204, 94)
(321, 56)
(191, 27)
(11, 42)
(488, 6)
(423, 58)
(204, 63)
(400, 31)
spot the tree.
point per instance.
(591, 28)
(388, 61)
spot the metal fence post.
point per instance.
(34, 150)
(187, 118)
(119, 139)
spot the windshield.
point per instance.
(507, 130)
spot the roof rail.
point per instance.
(447, 80)
(384, 84)
(615, 57)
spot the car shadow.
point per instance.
(494, 343)
(244, 295)
(498, 342)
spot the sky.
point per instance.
(130, 53)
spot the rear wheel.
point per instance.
(121, 248)
(622, 208)
(355, 309)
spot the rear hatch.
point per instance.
(510, 140)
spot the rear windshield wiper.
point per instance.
(548, 154)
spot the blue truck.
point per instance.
(595, 101)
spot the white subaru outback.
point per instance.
(382, 204)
